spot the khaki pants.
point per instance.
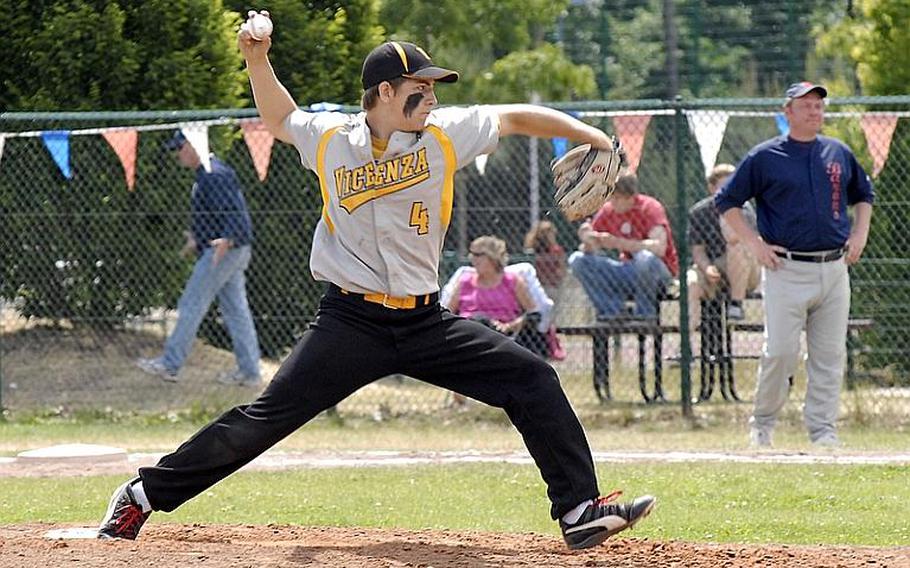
(814, 296)
(745, 276)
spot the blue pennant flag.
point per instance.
(58, 144)
(324, 107)
(782, 123)
(560, 147)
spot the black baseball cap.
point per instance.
(401, 59)
(797, 90)
(176, 141)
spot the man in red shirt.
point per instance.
(636, 225)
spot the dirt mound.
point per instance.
(217, 546)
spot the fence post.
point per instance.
(682, 246)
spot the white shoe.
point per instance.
(759, 438)
(156, 367)
(239, 379)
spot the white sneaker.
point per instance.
(829, 440)
(735, 313)
(759, 438)
(156, 367)
(238, 379)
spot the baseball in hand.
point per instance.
(259, 26)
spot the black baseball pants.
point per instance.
(352, 343)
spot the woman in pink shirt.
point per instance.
(496, 297)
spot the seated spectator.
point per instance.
(549, 256)
(637, 227)
(719, 259)
(497, 297)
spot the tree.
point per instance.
(870, 39)
(494, 44)
(319, 48)
(96, 55)
(544, 71)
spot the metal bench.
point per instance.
(718, 355)
(600, 333)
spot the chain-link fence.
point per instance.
(94, 213)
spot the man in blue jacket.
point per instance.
(220, 236)
(802, 184)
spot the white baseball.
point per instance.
(259, 26)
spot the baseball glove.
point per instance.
(585, 178)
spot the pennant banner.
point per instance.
(259, 141)
(879, 129)
(783, 126)
(560, 147)
(709, 128)
(2, 142)
(325, 107)
(198, 137)
(124, 144)
(481, 162)
(57, 143)
(631, 130)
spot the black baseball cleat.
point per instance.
(124, 515)
(604, 518)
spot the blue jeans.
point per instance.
(228, 283)
(608, 282)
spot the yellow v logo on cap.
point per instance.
(402, 55)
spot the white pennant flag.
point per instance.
(198, 137)
(481, 162)
(2, 142)
(709, 127)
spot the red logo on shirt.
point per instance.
(834, 172)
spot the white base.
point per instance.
(67, 534)
(81, 453)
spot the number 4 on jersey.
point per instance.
(420, 218)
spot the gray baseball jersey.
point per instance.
(384, 220)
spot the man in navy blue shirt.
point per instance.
(802, 184)
(220, 236)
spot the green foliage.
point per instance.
(498, 47)
(870, 42)
(69, 246)
(319, 47)
(93, 55)
(725, 47)
(544, 71)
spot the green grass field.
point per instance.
(797, 504)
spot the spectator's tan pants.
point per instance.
(814, 296)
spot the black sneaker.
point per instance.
(124, 515)
(603, 518)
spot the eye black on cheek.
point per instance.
(412, 102)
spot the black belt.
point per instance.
(392, 302)
(823, 257)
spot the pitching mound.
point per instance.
(212, 546)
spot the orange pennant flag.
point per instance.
(879, 129)
(631, 130)
(259, 141)
(124, 144)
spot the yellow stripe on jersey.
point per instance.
(402, 55)
(320, 172)
(354, 201)
(448, 186)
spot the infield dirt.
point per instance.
(239, 546)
